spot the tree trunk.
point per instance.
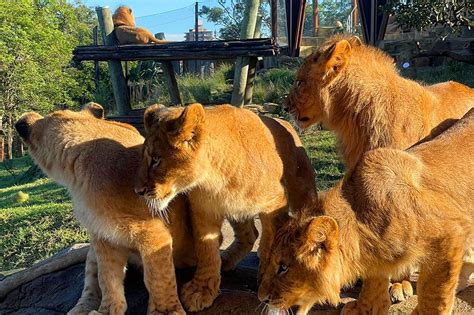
(9, 136)
(2, 141)
(242, 63)
(252, 66)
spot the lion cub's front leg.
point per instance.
(91, 295)
(203, 289)
(111, 263)
(154, 243)
(245, 235)
(373, 299)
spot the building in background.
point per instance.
(203, 34)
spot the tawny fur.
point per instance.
(397, 208)
(96, 160)
(357, 91)
(127, 32)
(231, 163)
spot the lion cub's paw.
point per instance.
(177, 310)
(229, 262)
(400, 291)
(200, 293)
(358, 307)
(117, 308)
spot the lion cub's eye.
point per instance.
(283, 268)
(298, 84)
(155, 162)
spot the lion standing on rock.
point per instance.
(126, 31)
(396, 208)
(96, 160)
(357, 91)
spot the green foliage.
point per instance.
(193, 88)
(330, 11)
(229, 14)
(423, 14)
(273, 85)
(37, 38)
(452, 71)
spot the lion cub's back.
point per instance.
(274, 138)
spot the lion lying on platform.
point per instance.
(357, 91)
(97, 160)
(230, 162)
(396, 208)
(126, 31)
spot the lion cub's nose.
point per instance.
(140, 190)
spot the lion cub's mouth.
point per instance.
(159, 206)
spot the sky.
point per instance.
(173, 17)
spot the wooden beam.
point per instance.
(119, 84)
(203, 50)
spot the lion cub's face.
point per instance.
(301, 268)
(171, 155)
(308, 98)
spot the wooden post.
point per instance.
(95, 34)
(119, 85)
(242, 63)
(315, 18)
(2, 141)
(354, 15)
(252, 66)
(274, 17)
(172, 83)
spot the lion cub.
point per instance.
(126, 31)
(231, 163)
(395, 209)
(96, 160)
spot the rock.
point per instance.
(51, 291)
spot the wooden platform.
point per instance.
(202, 50)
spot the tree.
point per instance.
(423, 14)
(36, 42)
(229, 14)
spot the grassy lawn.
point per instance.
(44, 224)
(37, 228)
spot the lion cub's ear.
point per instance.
(321, 234)
(335, 58)
(187, 126)
(355, 41)
(23, 125)
(94, 109)
(152, 115)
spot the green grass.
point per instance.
(38, 228)
(321, 148)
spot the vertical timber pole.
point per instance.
(354, 15)
(274, 17)
(196, 33)
(242, 63)
(373, 21)
(119, 85)
(252, 66)
(95, 32)
(315, 18)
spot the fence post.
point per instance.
(242, 63)
(119, 84)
